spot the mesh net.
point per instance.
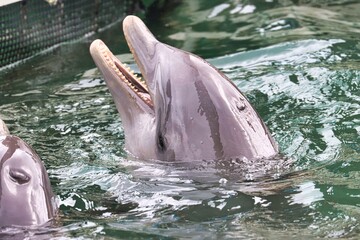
(30, 26)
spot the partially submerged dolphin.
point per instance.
(26, 198)
(185, 110)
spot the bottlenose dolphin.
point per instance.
(26, 197)
(185, 110)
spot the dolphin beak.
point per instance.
(117, 75)
(143, 46)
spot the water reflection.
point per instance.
(307, 195)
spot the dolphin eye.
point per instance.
(240, 106)
(19, 176)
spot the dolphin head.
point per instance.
(26, 198)
(185, 110)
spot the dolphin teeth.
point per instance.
(128, 77)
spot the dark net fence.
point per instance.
(30, 26)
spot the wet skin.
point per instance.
(185, 110)
(26, 197)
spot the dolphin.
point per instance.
(26, 197)
(184, 109)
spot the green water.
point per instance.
(298, 62)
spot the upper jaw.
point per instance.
(144, 47)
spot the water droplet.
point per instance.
(276, 176)
(223, 181)
(249, 177)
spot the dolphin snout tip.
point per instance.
(96, 47)
(95, 44)
(134, 24)
(136, 32)
(130, 19)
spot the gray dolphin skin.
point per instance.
(185, 110)
(26, 197)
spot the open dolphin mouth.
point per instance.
(122, 72)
